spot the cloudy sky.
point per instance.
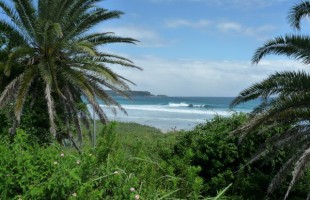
(199, 47)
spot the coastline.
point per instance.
(173, 113)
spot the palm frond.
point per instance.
(88, 20)
(107, 38)
(281, 175)
(300, 166)
(15, 36)
(15, 54)
(109, 101)
(70, 102)
(11, 13)
(103, 59)
(51, 109)
(78, 80)
(58, 30)
(72, 9)
(107, 55)
(285, 103)
(10, 91)
(25, 83)
(280, 83)
(26, 13)
(295, 46)
(84, 47)
(298, 12)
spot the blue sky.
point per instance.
(199, 47)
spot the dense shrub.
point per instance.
(4, 122)
(34, 122)
(182, 165)
(221, 158)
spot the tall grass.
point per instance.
(124, 165)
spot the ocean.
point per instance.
(175, 113)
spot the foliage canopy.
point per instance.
(50, 53)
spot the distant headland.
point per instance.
(135, 93)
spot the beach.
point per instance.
(174, 113)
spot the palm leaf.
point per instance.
(10, 91)
(295, 46)
(285, 103)
(300, 167)
(25, 83)
(298, 12)
(26, 13)
(51, 109)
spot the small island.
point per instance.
(131, 93)
(135, 93)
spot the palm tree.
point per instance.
(51, 54)
(285, 101)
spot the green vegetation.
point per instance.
(179, 165)
(49, 62)
(223, 159)
(285, 102)
(49, 58)
(116, 169)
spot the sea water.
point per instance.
(174, 113)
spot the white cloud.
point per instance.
(187, 23)
(245, 4)
(225, 27)
(160, 1)
(229, 26)
(242, 3)
(259, 32)
(147, 37)
(201, 77)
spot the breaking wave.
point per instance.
(176, 108)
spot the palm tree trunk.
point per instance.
(74, 144)
(13, 129)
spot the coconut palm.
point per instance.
(51, 53)
(285, 101)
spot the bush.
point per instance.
(130, 160)
(221, 158)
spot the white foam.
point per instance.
(159, 108)
(144, 118)
(182, 104)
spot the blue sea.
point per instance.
(175, 113)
